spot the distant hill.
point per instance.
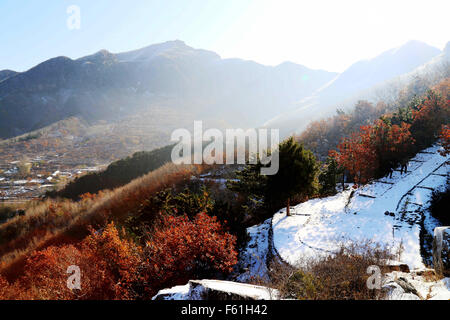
(359, 81)
(107, 86)
(117, 174)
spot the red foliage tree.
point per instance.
(357, 155)
(118, 259)
(6, 290)
(108, 264)
(372, 150)
(445, 140)
(432, 113)
(182, 249)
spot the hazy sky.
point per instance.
(328, 35)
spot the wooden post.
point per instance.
(288, 212)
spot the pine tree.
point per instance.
(328, 177)
(249, 181)
(251, 185)
(296, 175)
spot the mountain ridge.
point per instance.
(109, 86)
(356, 81)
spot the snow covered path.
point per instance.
(387, 211)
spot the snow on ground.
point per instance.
(197, 289)
(253, 259)
(387, 211)
(174, 293)
(427, 289)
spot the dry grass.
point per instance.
(342, 276)
(55, 222)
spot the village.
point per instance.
(46, 159)
(23, 180)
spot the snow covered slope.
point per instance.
(217, 290)
(391, 211)
(254, 257)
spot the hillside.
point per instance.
(390, 211)
(319, 225)
(117, 174)
(152, 217)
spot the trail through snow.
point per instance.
(388, 211)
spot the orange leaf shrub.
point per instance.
(182, 249)
(108, 266)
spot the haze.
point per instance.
(328, 35)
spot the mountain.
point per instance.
(357, 82)
(108, 86)
(5, 74)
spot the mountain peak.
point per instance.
(100, 56)
(176, 47)
(5, 74)
(447, 48)
(415, 46)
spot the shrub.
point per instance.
(183, 249)
(108, 264)
(6, 212)
(341, 276)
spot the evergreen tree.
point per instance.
(329, 176)
(296, 174)
(251, 185)
(249, 181)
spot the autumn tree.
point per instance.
(428, 117)
(393, 144)
(117, 257)
(373, 150)
(445, 140)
